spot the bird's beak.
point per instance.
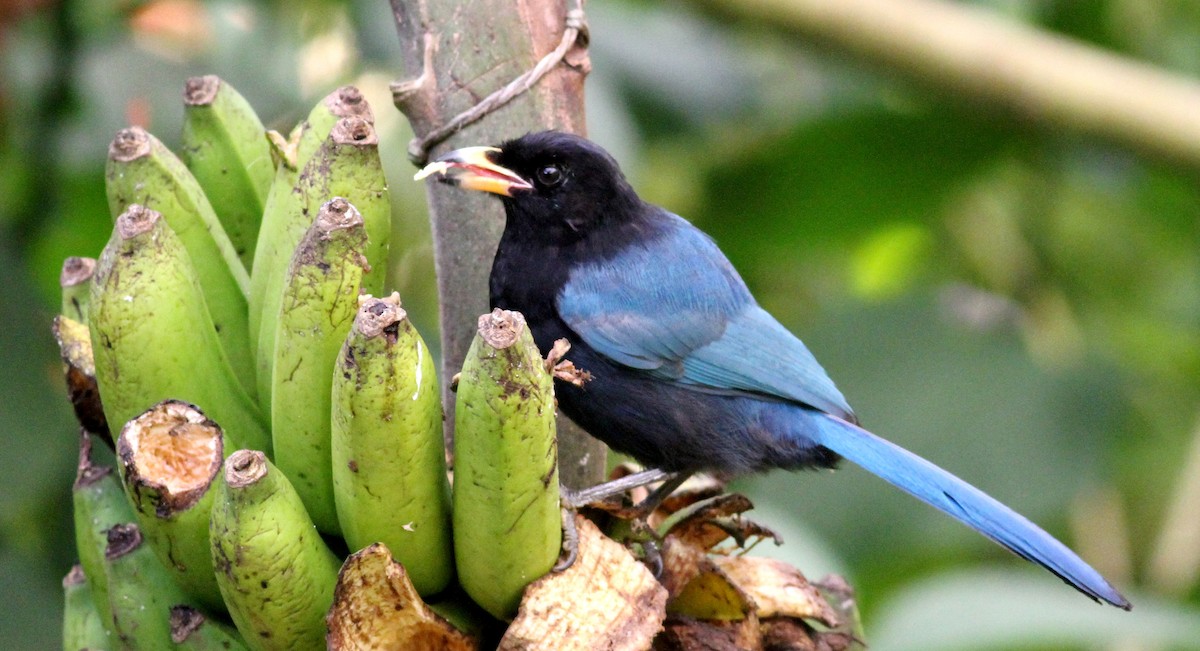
(472, 168)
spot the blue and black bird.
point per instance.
(688, 373)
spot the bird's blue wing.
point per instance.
(756, 353)
(672, 304)
(658, 299)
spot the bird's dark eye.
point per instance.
(549, 175)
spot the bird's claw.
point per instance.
(570, 541)
(652, 557)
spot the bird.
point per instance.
(687, 372)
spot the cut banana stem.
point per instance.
(285, 216)
(169, 457)
(376, 607)
(141, 170)
(98, 503)
(153, 337)
(225, 147)
(345, 102)
(507, 525)
(79, 369)
(76, 283)
(319, 300)
(82, 626)
(389, 461)
(347, 165)
(275, 573)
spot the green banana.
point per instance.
(98, 504)
(347, 165)
(153, 336)
(507, 523)
(275, 573)
(79, 370)
(389, 461)
(319, 299)
(284, 219)
(225, 146)
(168, 458)
(147, 604)
(141, 170)
(76, 283)
(82, 626)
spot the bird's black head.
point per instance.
(557, 183)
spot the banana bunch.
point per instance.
(270, 415)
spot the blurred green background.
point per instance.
(1018, 303)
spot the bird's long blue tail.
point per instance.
(965, 503)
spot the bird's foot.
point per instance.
(578, 498)
(634, 518)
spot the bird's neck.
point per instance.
(530, 269)
(527, 273)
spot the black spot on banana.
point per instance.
(389, 461)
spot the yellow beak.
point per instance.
(472, 168)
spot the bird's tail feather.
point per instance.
(965, 503)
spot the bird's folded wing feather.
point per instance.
(672, 305)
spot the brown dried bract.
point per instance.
(710, 522)
(79, 369)
(778, 589)
(681, 563)
(697, 488)
(712, 595)
(564, 369)
(376, 607)
(738, 602)
(605, 600)
(686, 634)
